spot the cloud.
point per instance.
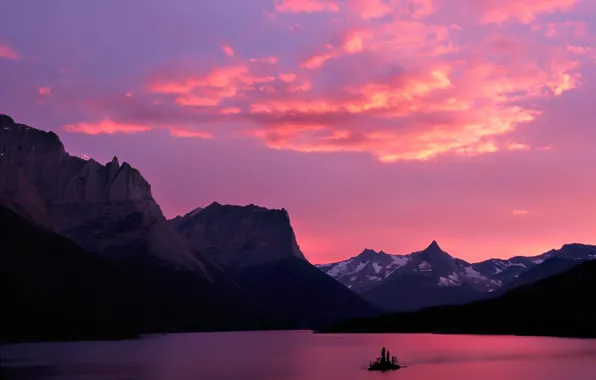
(7, 52)
(269, 59)
(520, 212)
(190, 133)
(397, 79)
(306, 6)
(228, 51)
(523, 11)
(105, 127)
(518, 146)
(287, 77)
(371, 9)
(45, 91)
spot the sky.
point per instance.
(381, 124)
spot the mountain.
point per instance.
(54, 289)
(433, 277)
(562, 305)
(429, 277)
(240, 236)
(258, 247)
(108, 211)
(366, 270)
(103, 208)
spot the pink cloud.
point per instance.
(45, 91)
(176, 132)
(287, 77)
(306, 6)
(270, 60)
(499, 11)
(105, 127)
(371, 9)
(419, 88)
(318, 60)
(7, 52)
(228, 51)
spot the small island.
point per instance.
(384, 363)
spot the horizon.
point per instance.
(383, 124)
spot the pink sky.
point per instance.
(376, 123)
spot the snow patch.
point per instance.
(377, 267)
(538, 261)
(339, 269)
(425, 267)
(473, 273)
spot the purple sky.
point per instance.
(376, 123)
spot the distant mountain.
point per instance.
(258, 246)
(561, 305)
(432, 277)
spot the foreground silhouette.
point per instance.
(384, 363)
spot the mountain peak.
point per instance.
(368, 254)
(433, 246)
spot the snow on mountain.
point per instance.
(371, 268)
(365, 270)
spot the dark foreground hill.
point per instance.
(562, 305)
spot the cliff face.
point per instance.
(103, 208)
(240, 236)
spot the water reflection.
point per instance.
(302, 355)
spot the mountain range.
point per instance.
(433, 277)
(239, 275)
(560, 305)
(86, 252)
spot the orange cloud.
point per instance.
(7, 52)
(354, 43)
(105, 127)
(306, 6)
(517, 146)
(228, 51)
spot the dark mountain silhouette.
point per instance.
(258, 247)
(107, 212)
(562, 305)
(53, 289)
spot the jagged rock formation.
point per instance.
(258, 246)
(240, 236)
(104, 208)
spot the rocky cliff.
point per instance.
(240, 236)
(104, 208)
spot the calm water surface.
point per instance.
(298, 355)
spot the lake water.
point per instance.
(297, 355)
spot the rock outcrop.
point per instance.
(104, 208)
(240, 236)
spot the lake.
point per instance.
(297, 355)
